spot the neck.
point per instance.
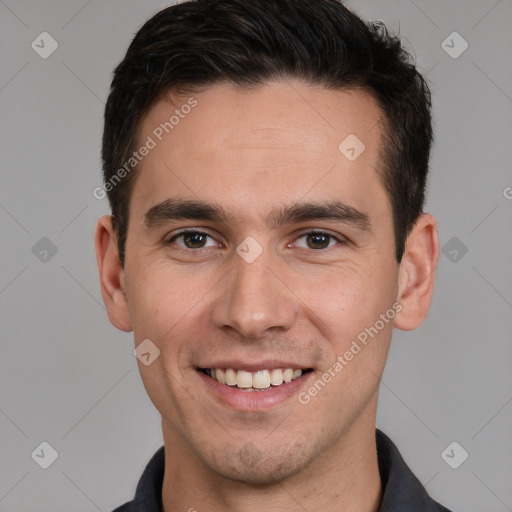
(344, 477)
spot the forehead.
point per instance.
(294, 112)
(281, 141)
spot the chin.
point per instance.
(250, 465)
(265, 473)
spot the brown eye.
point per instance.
(317, 240)
(191, 239)
(194, 240)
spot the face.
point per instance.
(285, 260)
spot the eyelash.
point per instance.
(341, 240)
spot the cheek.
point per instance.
(164, 307)
(349, 299)
(159, 302)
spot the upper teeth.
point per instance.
(261, 379)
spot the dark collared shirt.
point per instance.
(402, 491)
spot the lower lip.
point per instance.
(254, 400)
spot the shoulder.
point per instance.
(402, 491)
(440, 508)
(149, 488)
(129, 506)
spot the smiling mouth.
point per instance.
(260, 380)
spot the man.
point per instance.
(266, 164)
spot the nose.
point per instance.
(254, 298)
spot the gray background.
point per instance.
(69, 378)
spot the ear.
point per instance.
(417, 273)
(111, 274)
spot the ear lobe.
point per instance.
(417, 273)
(111, 273)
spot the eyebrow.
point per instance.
(191, 209)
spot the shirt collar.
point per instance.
(402, 491)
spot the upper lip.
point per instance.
(262, 364)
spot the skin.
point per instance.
(251, 152)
